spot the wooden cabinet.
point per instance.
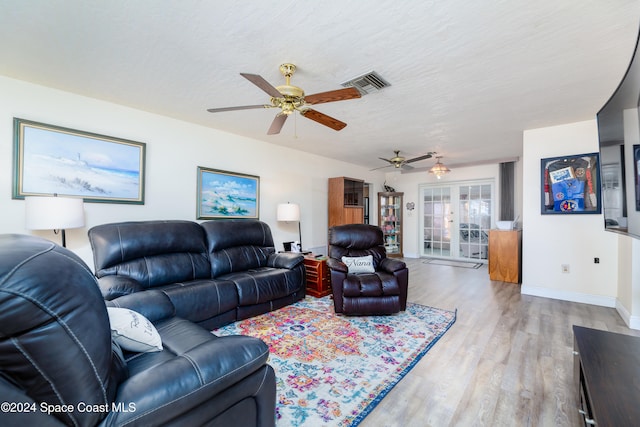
(390, 221)
(505, 255)
(607, 377)
(318, 279)
(346, 201)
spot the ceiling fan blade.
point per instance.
(405, 166)
(244, 107)
(381, 167)
(262, 84)
(332, 96)
(276, 124)
(386, 160)
(323, 119)
(415, 159)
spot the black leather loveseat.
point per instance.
(60, 364)
(212, 273)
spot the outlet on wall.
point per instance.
(565, 268)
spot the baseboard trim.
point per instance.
(600, 300)
(632, 322)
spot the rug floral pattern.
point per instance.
(332, 370)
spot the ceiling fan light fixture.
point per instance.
(287, 108)
(291, 91)
(439, 169)
(289, 98)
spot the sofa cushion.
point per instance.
(200, 300)
(264, 284)
(153, 253)
(237, 259)
(237, 245)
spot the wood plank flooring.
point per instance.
(507, 361)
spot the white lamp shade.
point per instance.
(53, 213)
(288, 212)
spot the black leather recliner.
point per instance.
(383, 291)
(60, 366)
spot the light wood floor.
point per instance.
(507, 361)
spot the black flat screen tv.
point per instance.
(619, 139)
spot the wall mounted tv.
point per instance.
(619, 136)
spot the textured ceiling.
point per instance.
(467, 77)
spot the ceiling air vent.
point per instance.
(367, 83)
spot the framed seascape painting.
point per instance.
(223, 194)
(52, 160)
(571, 184)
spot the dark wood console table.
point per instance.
(607, 375)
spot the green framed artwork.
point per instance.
(223, 194)
(52, 160)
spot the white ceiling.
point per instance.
(467, 76)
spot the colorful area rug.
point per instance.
(332, 370)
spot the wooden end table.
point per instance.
(318, 279)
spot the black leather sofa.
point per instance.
(59, 364)
(212, 273)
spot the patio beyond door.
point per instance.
(456, 219)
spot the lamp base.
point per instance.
(64, 237)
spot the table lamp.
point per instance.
(54, 213)
(290, 212)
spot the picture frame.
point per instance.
(53, 160)
(224, 194)
(636, 166)
(570, 185)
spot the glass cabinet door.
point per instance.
(390, 221)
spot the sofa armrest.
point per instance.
(153, 304)
(117, 286)
(391, 265)
(166, 390)
(286, 260)
(336, 265)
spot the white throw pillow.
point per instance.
(133, 331)
(361, 264)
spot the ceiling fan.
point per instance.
(291, 98)
(398, 161)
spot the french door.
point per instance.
(456, 218)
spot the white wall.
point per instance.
(552, 240)
(174, 151)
